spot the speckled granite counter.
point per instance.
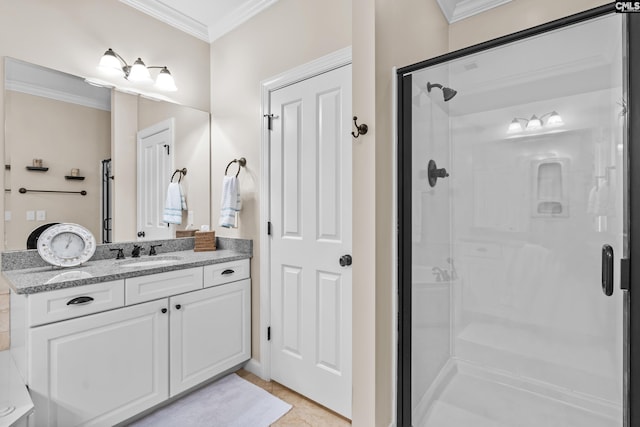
(29, 276)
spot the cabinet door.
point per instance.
(210, 332)
(101, 369)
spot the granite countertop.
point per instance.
(38, 278)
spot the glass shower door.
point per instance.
(518, 171)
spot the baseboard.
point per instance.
(254, 367)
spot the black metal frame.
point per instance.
(404, 79)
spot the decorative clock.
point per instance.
(66, 245)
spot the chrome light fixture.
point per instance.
(113, 64)
(518, 124)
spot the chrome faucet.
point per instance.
(454, 275)
(441, 275)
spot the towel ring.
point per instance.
(182, 172)
(242, 162)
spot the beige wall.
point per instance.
(124, 128)
(191, 151)
(385, 33)
(71, 35)
(407, 32)
(292, 32)
(64, 136)
(288, 34)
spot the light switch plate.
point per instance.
(7, 215)
(41, 215)
(31, 215)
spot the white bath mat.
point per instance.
(228, 402)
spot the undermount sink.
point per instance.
(150, 261)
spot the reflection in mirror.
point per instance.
(54, 123)
(68, 124)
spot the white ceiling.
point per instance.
(455, 10)
(204, 19)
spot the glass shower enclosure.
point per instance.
(513, 245)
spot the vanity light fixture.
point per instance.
(518, 124)
(114, 64)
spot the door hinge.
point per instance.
(268, 228)
(624, 274)
(270, 118)
(268, 333)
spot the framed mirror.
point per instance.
(67, 158)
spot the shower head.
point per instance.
(447, 92)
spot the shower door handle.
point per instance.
(607, 270)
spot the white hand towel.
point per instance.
(174, 204)
(230, 203)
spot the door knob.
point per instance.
(345, 260)
(140, 233)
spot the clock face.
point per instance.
(66, 245)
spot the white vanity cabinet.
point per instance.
(210, 332)
(134, 344)
(101, 369)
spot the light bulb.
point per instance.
(534, 123)
(165, 81)
(139, 72)
(555, 119)
(515, 126)
(110, 64)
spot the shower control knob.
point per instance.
(345, 260)
(434, 173)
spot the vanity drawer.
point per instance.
(52, 306)
(225, 272)
(160, 285)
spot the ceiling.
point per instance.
(211, 19)
(204, 19)
(455, 10)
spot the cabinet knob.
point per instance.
(178, 306)
(164, 310)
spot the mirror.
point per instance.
(64, 137)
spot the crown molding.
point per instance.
(238, 17)
(456, 10)
(170, 16)
(32, 89)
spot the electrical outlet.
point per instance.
(41, 215)
(7, 215)
(31, 215)
(190, 218)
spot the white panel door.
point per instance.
(155, 167)
(100, 369)
(210, 332)
(311, 230)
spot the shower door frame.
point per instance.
(631, 410)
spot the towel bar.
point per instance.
(182, 172)
(242, 162)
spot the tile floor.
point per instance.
(305, 413)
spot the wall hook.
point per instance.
(362, 129)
